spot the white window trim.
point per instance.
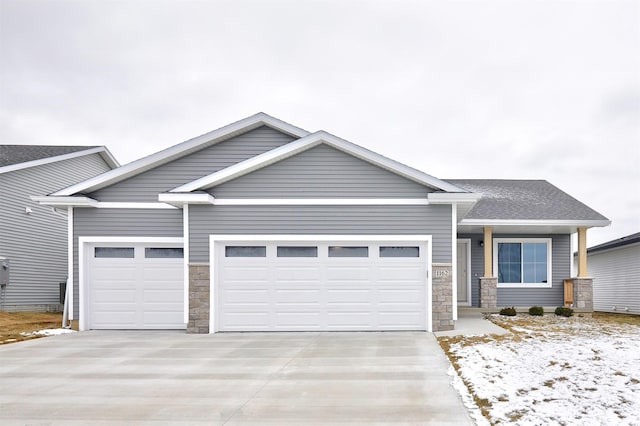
(83, 243)
(549, 282)
(213, 265)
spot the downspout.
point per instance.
(65, 309)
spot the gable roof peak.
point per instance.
(187, 147)
(310, 141)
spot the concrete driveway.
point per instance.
(171, 378)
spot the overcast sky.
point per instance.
(458, 89)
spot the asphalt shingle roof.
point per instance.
(629, 239)
(16, 154)
(524, 200)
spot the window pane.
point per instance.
(535, 262)
(337, 251)
(297, 251)
(163, 253)
(245, 251)
(114, 252)
(509, 265)
(399, 251)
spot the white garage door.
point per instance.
(321, 286)
(135, 286)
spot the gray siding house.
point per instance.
(33, 239)
(263, 226)
(615, 269)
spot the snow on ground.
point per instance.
(49, 332)
(554, 370)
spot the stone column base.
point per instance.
(583, 295)
(199, 296)
(489, 292)
(442, 294)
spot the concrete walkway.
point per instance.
(167, 378)
(471, 322)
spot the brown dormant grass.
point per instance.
(13, 324)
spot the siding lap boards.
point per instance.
(321, 172)
(35, 243)
(146, 186)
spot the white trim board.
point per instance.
(306, 143)
(70, 279)
(184, 148)
(221, 238)
(83, 242)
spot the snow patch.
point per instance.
(49, 332)
(566, 371)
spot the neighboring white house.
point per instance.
(615, 268)
(33, 240)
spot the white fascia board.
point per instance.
(453, 197)
(185, 198)
(321, 202)
(98, 150)
(303, 144)
(181, 149)
(108, 157)
(533, 222)
(60, 201)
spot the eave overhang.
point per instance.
(64, 201)
(528, 226)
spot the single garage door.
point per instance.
(135, 286)
(274, 286)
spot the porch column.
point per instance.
(488, 255)
(582, 252)
(488, 283)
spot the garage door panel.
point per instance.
(298, 319)
(295, 273)
(138, 292)
(349, 295)
(362, 273)
(246, 320)
(245, 273)
(296, 295)
(247, 295)
(114, 318)
(112, 296)
(163, 296)
(399, 295)
(350, 319)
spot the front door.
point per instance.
(463, 273)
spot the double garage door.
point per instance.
(264, 286)
(282, 286)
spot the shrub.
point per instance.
(564, 312)
(510, 312)
(536, 311)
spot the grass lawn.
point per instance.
(552, 370)
(18, 326)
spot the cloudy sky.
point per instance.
(459, 89)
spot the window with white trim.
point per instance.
(524, 262)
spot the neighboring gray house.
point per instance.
(615, 269)
(263, 226)
(33, 239)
